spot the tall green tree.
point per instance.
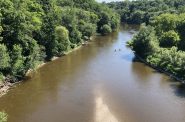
(32, 31)
(17, 62)
(4, 57)
(169, 39)
(145, 42)
(61, 40)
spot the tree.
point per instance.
(4, 57)
(61, 40)
(145, 42)
(165, 23)
(87, 29)
(104, 19)
(181, 32)
(32, 31)
(17, 62)
(115, 22)
(137, 17)
(35, 56)
(106, 29)
(169, 39)
(142, 11)
(1, 29)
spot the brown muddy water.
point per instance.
(97, 84)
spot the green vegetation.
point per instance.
(3, 117)
(106, 29)
(161, 43)
(140, 11)
(145, 41)
(161, 39)
(32, 31)
(169, 39)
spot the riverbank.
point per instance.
(128, 44)
(6, 85)
(159, 69)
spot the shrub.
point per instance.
(145, 42)
(169, 39)
(1, 78)
(3, 117)
(4, 57)
(105, 29)
(62, 40)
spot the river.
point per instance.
(100, 82)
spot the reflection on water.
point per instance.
(143, 75)
(179, 90)
(128, 57)
(102, 112)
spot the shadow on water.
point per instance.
(177, 86)
(179, 90)
(154, 70)
(140, 70)
(135, 59)
(128, 57)
(130, 28)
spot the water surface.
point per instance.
(101, 82)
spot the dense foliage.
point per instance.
(161, 39)
(162, 43)
(139, 11)
(32, 31)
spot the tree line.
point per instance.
(34, 31)
(162, 43)
(142, 11)
(161, 38)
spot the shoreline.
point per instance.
(142, 60)
(6, 86)
(172, 76)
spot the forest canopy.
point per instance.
(162, 43)
(142, 11)
(161, 38)
(32, 31)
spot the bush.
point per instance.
(4, 57)
(145, 42)
(17, 61)
(62, 40)
(169, 39)
(1, 78)
(3, 117)
(170, 60)
(106, 29)
(88, 30)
